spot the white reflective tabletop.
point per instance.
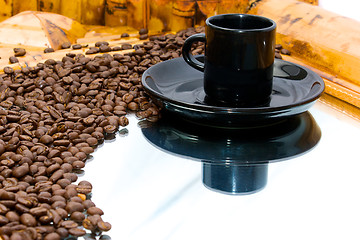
(148, 193)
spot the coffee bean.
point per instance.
(77, 232)
(104, 226)
(76, 46)
(18, 52)
(143, 36)
(12, 216)
(46, 139)
(95, 211)
(49, 50)
(65, 45)
(88, 203)
(78, 165)
(105, 48)
(123, 121)
(116, 48)
(77, 216)
(53, 236)
(126, 46)
(285, 51)
(28, 220)
(143, 31)
(68, 106)
(278, 55)
(87, 224)
(13, 59)
(38, 211)
(62, 232)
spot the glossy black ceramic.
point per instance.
(178, 88)
(246, 147)
(239, 57)
(235, 161)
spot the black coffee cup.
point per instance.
(239, 59)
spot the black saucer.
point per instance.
(178, 88)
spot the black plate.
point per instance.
(178, 88)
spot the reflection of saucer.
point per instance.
(235, 161)
(179, 89)
(286, 139)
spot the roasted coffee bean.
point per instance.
(126, 46)
(116, 48)
(13, 59)
(62, 232)
(76, 46)
(77, 216)
(12, 216)
(143, 31)
(18, 52)
(38, 211)
(78, 165)
(278, 55)
(285, 51)
(143, 36)
(62, 109)
(95, 211)
(105, 48)
(49, 50)
(53, 236)
(88, 224)
(65, 45)
(3, 220)
(77, 232)
(123, 121)
(28, 220)
(104, 226)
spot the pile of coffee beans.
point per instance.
(53, 116)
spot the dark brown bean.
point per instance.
(88, 203)
(18, 52)
(74, 207)
(77, 216)
(95, 211)
(12, 216)
(77, 232)
(104, 226)
(53, 236)
(28, 220)
(65, 45)
(49, 50)
(63, 232)
(38, 211)
(76, 46)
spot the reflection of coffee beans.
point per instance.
(52, 117)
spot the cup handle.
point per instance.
(188, 57)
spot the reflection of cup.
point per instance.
(239, 58)
(235, 179)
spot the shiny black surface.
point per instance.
(235, 160)
(179, 89)
(248, 146)
(239, 55)
(231, 179)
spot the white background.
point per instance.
(349, 8)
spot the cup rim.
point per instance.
(265, 29)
